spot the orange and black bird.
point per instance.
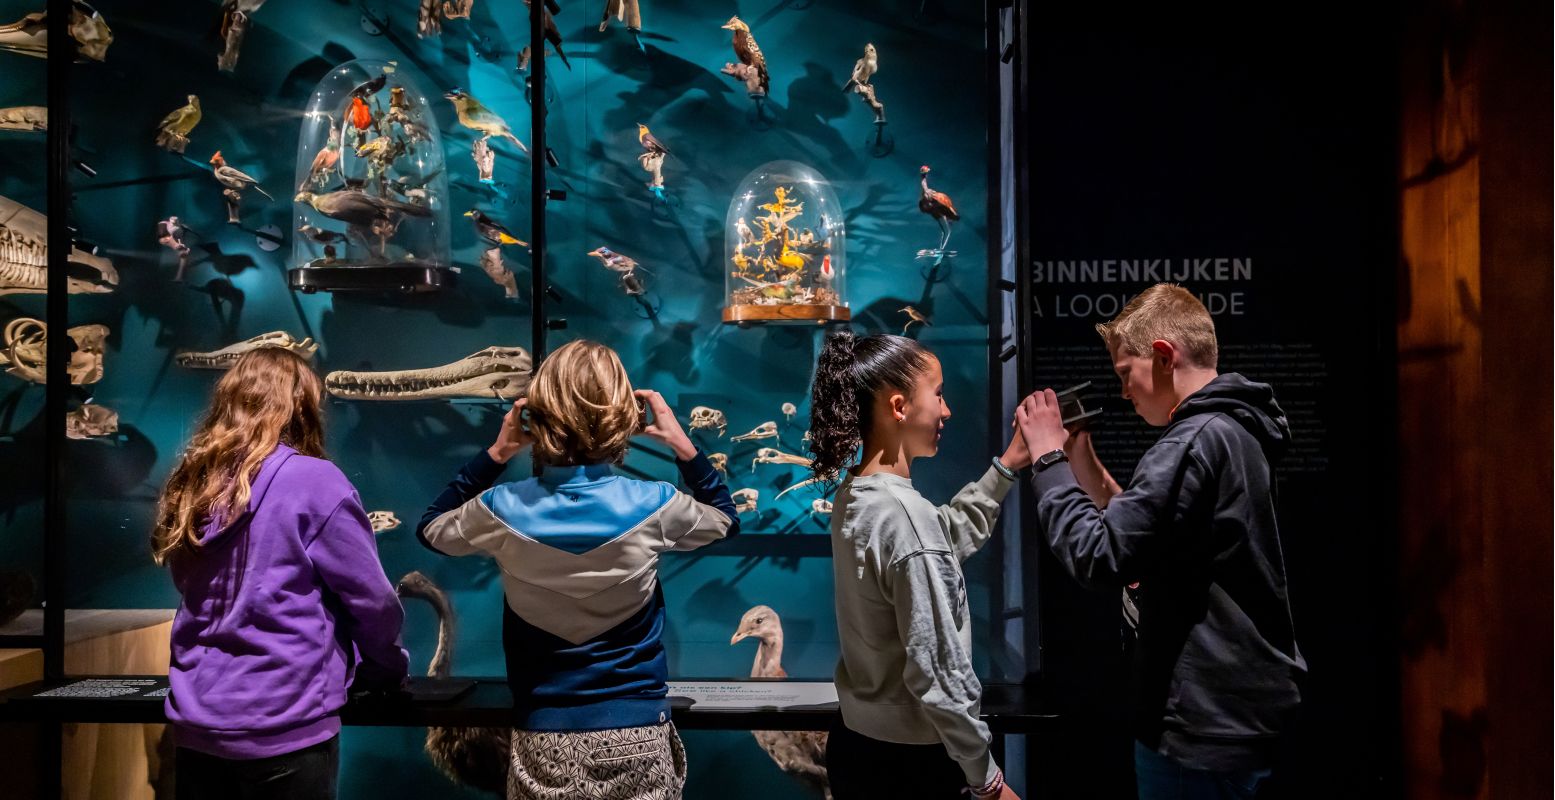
(747, 51)
(360, 115)
(938, 206)
(492, 231)
(651, 145)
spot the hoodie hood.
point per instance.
(217, 530)
(1250, 404)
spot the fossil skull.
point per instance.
(745, 500)
(720, 462)
(789, 410)
(24, 257)
(29, 36)
(383, 521)
(24, 342)
(772, 455)
(820, 506)
(496, 372)
(704, 418)
(229, 355)
(765, 430)
(33, 119)
(91, 420)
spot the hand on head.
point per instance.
(661, 425)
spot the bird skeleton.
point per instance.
(24, 344)
(24, 118)
(704, 418)
(745, 500)
(720, 462)
(765, 430)
(226, 357)
(772, 455)
(382, 521)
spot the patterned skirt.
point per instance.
(647, 763)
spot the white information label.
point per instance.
(101, 688)
(755, 694)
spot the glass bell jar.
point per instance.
(371, 204)
(784, 248)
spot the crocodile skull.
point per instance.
(496, 372)
(383, 521)
(229, 355)
(765, 430)
(24, 256)
(24, 343)
(91, 420)
(706, 418)
(745, 500)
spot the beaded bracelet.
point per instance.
(991, 789)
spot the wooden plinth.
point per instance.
(749, 314)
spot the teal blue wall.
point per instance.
(931, 81)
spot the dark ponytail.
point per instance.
(848, 375)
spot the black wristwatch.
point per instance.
(1048, 459)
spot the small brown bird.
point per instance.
(914, 317)
(325, 161)
(649, 143)
(747, 51)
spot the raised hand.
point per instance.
(513, 437)
(662, 426)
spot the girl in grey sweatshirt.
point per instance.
(909, 697)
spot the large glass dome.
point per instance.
(371, 205)
(784, 248)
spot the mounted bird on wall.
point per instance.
(798, 753)
(173, 131)
(937, 205)
(235, 181)
(749, 54)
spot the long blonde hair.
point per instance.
(270, 396)
(581, 409)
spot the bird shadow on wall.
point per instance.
(668, 351)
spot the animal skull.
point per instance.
(720, 462)
(91, 420)
(820, 506)
(383, 521)
(772, 455)
(745, 500)
(496, 372)
(765, 430)
(227, 356)
(24, 118)
(24, 344)
(703, 417)
(789, 410)
(24, 256)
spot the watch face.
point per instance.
(1051, 458)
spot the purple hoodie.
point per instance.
(278, 609)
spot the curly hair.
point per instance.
(848, 375)
(581, 409)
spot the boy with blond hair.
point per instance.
(1216, 665)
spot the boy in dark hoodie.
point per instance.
(1217, 664)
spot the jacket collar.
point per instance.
(575, 475)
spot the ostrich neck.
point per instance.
(443, 657)
(769, 658)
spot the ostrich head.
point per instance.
(761, 622)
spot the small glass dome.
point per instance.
(784, 248)
(371, 204)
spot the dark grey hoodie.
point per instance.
(1217, 664)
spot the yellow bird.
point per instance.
(173, 130)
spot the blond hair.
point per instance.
(1169, 313)
(581, 409)
(270, 396)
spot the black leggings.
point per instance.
(860, 767)
(306, 774)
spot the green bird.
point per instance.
(173, 130)
(477, 117)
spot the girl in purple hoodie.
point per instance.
(284, 601)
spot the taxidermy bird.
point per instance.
(552, 33)
(358, 208)
(173, 131)
(475, 757)
(863, 69)
(327, 238)
(625, 266)
(492, 231)
(325, 161)
(651, 145)
(170, 234)
(938, 206)
(747, 51)
(477, 117)
(914, 317)
(235, 181)
(798, 753)
(372, 87)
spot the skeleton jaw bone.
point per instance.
(225, 357)
(496, 372)
(765, 430)
(24, 256)
(704, 418)
(24, 343)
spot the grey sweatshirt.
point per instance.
(906, 670)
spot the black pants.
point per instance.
(869, 769)
(306, 774)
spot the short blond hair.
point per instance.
(581, 408)
(1169, 313)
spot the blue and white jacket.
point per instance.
(579, 549)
